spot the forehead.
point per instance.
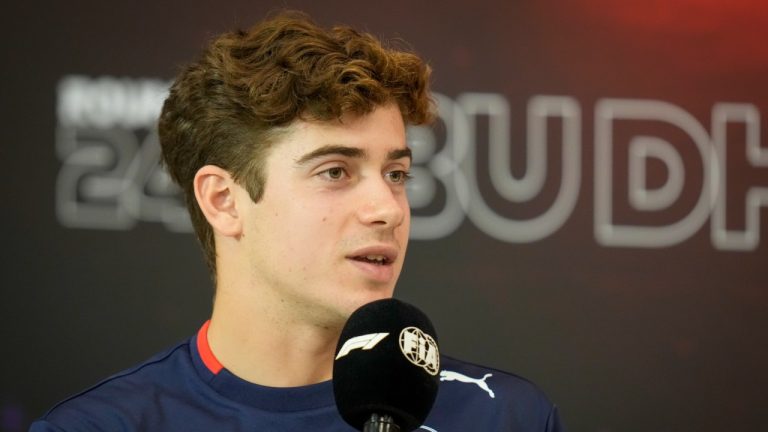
(377, 133)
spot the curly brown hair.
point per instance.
(227, 108)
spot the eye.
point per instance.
(333, 174)
(398, 176)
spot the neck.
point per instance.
(267, 346)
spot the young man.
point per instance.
(289, 143)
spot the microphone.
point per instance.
(385, 375)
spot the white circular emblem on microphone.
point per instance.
(420, 349)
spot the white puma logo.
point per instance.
(455, 376)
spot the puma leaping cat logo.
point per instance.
(455, 376)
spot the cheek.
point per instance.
(310, 228)
(405, 206)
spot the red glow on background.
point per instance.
(735, 30)
(707, 37)
(683, 15)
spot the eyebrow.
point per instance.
(399, 154)
(351, 152)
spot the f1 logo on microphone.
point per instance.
(364, 342)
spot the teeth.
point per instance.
(379, 258)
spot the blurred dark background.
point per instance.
(614, 255)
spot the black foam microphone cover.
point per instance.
(387, 363)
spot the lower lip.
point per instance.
(375, 272)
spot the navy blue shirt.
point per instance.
(187, 389)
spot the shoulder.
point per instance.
(496, 399)
(122, 401)
(493, 382)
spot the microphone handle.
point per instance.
(379, 423)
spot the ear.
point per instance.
(215, 191)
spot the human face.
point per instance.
(331, 229)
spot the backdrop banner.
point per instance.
(588, 211)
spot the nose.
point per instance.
(382, 205)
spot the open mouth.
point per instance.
(373, 259)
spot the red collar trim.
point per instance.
(209, 360)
